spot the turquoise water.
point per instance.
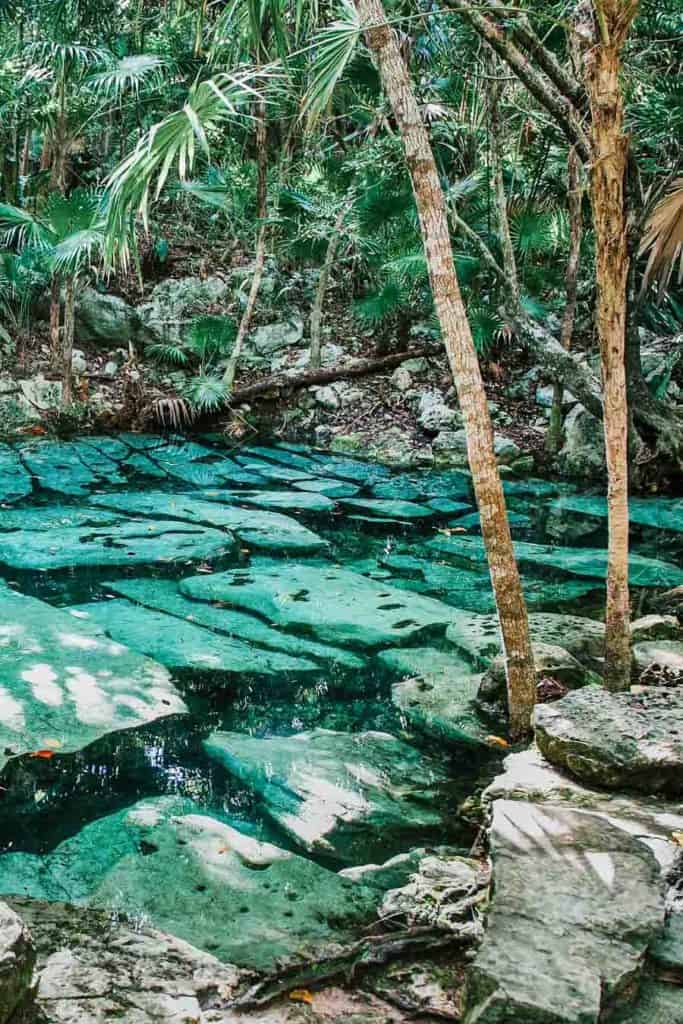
(153, 509)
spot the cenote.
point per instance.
(205, 647)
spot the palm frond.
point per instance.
(128, 75)
(172, 143)
(334, 47)
(206, 392)
(664, 239)
(22, 229)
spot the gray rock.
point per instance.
(452, 446)
(327, 397)
(424, 988)
(629, 740)
(344, 795)
(659, 662)
(443, 893)
(175, 302)
(550, 660)
(576, 903)
(79, 364)
(544, 397)
(93, 967)
(433, 413)
(111, 368)
(655, 627)
(17, 959)
(272, 337)
(402, 378)
(105, 320)
(506, 450)
(29, 397)
(583, 452)
(529, 776)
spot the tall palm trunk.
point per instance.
(323, 281)
(602, 66)
(68, 342)
(260, 258)
(55, 316)
(571, 281)
(463, 361)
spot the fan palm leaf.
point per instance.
(663, 238)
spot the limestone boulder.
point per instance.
(17, 960)
(655, 627)
(627, 740)
(274, 337)
(577, 901)
(659, 662)
(105, 320)
(583, 452)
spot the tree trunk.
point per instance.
(495, 91)
(462, 357)
(602, 65)
(260, 259)
(571, 279)
(68, 343)
(323, 280)
(55, 309)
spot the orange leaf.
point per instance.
(45, 754)
(301, 995)
(497, 741)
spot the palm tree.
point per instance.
(68, 234)
(369, 16)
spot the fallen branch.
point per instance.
(308, 378)
(369, 952)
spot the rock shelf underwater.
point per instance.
(235, 683)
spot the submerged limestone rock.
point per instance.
(282, 501)
(478, 636)
(592, 562)
(56, 466)
(344, 795)
(15, 482)
(334, 604)
(268, 531)
(180, 644)
(17, 959)
(164, 596)
(437, 694)
(192, 875)
(660, 513)
(576, 903)
(63, 685)
(656, 1004)
(389, 508)
(121, 543)
(629, 740)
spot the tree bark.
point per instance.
(277, 383)
(571, 279)
(463, 361)
(68, 343)
(323, 280)
(541, 88)
(260, 258)
(55, 310)
(602, 66)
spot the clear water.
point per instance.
(45, 801)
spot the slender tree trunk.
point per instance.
(68, 343)
(495, 90)
(55, 310)
(462, 357)
(323, 280)
(602, 66)
(259, 262)
(571, 280)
